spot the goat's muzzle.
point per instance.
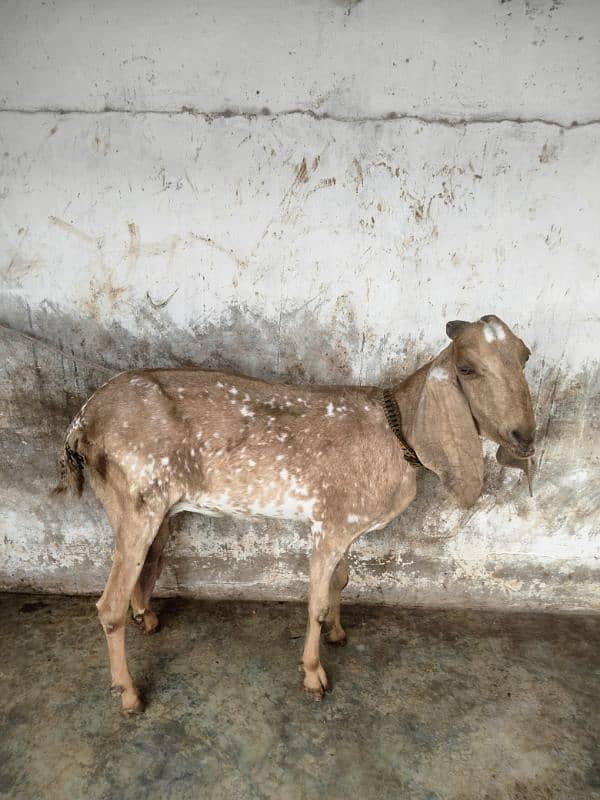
(522, 442)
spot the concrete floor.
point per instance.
(425, 705)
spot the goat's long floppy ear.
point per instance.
(444, 434)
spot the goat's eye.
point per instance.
(466, 370)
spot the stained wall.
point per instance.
(304, 192)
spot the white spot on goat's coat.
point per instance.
(438, 374)
(293, 502)
(317, 531)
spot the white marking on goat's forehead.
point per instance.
(494, 332)
(438, 374)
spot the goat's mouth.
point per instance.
(517, 451)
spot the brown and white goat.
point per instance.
(156, 442)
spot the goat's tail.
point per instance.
(71, 467)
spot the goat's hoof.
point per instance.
(316, 695)
(134, 705)
(333, 633)
(336, 637)
(315, 684)
(151, 622)
(147, 621)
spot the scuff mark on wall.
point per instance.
(302, 172)
(162, 303)
(359, 179)
(241, 262)
(134, 242)
(68, 227)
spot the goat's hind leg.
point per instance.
(335, 634)
(134, 536)
(142, 592)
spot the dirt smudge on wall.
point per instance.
(424, 557)
(134, 242)
(68, 227)
(302, 172)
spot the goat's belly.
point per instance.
(194, 508)
(222, 506)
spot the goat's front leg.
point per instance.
(335, 633)
(323, 562)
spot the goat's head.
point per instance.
(475, 386)
(488, 360)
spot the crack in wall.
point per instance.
(254, 113)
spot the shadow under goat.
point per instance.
(341, 458)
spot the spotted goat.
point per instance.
(156, 442)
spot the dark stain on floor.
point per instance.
(426, 705)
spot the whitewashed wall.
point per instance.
(304, 191)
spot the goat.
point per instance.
(159, 441)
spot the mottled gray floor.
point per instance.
(425, 705)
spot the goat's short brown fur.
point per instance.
(156, 442)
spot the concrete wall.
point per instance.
(304, 191)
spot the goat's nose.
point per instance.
(523, 437)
